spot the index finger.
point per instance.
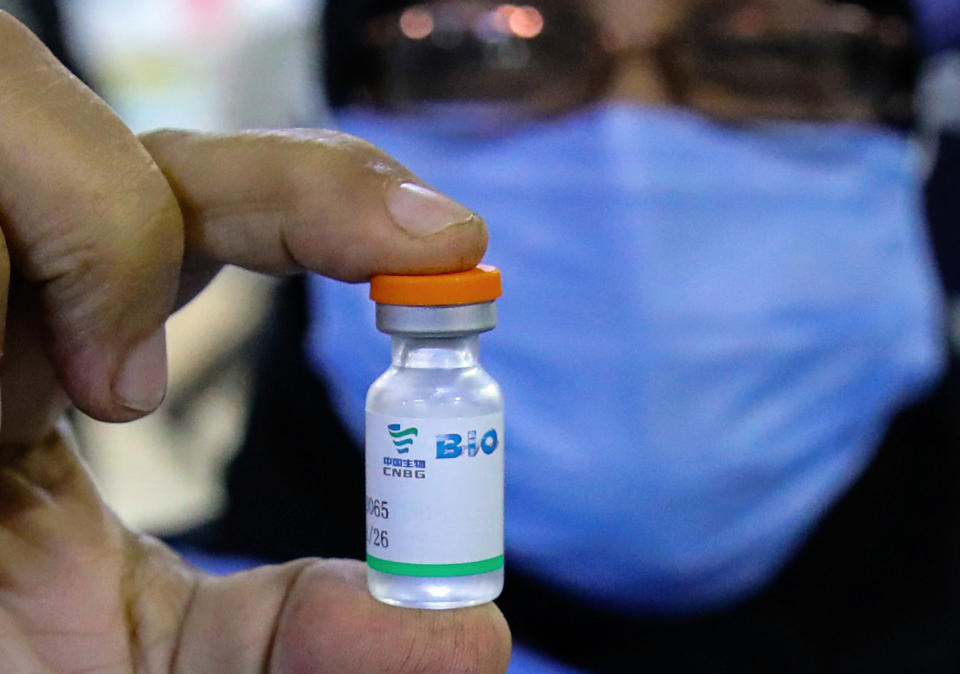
(314, 200)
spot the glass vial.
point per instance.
(435, 445)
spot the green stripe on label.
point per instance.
(435, 570)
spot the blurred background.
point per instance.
(223, 65)
(211, 65)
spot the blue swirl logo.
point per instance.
(402, 438)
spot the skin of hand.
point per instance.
(104, 234)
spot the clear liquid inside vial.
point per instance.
(413, 592)
(435, 379)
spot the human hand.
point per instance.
(107, 234)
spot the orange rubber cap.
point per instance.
(480, 284)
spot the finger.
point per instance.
(319, 617)
(91, 221)
(330, 619)
(315, 200)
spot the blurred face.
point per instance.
(737, 257)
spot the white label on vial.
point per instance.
(434, 495)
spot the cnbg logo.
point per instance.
(402, 437)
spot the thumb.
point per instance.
(94, 232)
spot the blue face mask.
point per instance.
(703, 335)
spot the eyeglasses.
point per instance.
(543, 56)
(736, 60)
(800, 59)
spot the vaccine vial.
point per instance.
(435, 445)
